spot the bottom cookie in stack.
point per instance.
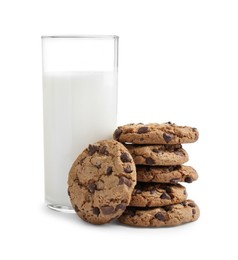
(170, 215)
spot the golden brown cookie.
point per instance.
(101, 181)
(167, 133)
(172, 215)
(166, 174)
(157, 194)
(158, 154)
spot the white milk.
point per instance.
(79, 108)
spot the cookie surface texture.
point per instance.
(166, 133)
(166, 174)
(101, 182)
(157, 194)
(158, 154)
(172, 215)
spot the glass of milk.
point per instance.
(80, 104)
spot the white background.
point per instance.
(178, 62)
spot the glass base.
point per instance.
(60, 208)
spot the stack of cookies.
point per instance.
(135, 178)
(158, 199)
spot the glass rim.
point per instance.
(80, 36)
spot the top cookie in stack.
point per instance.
(166, 133)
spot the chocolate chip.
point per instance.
(76, 208)
(171, 168)
(168, 137)
(121, 206)
(152, 191)
(109, 170)
(125, 157)
(143, 130)
(92, 187)
(107, 210)
(174, 180)
(68, 192)
(184, 203)
(155, 150)
(168, 208)
(124, 180)
(179, 152)
(168, 189)
(160, 216)
(117, 134)
(128, 169)
(92, 149)
(149, 161)
(191, 204)
(188, 179)
(130, 212)
(185, 192)
(96, 211)
(165, 196)
(103, 150)
(170, 147)
(194, 211)
(169, 123)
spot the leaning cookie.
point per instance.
(167, 133)
(158, 154)
(172, 215)
(157, 194)
(101, 182)
(166, 174)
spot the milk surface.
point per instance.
(79, 108)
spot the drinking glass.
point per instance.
(80, 104)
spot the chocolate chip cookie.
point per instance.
(158, 154)
(167, 133)
(172, 215)
(101, 182)
(166, 174)
(157, 194)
